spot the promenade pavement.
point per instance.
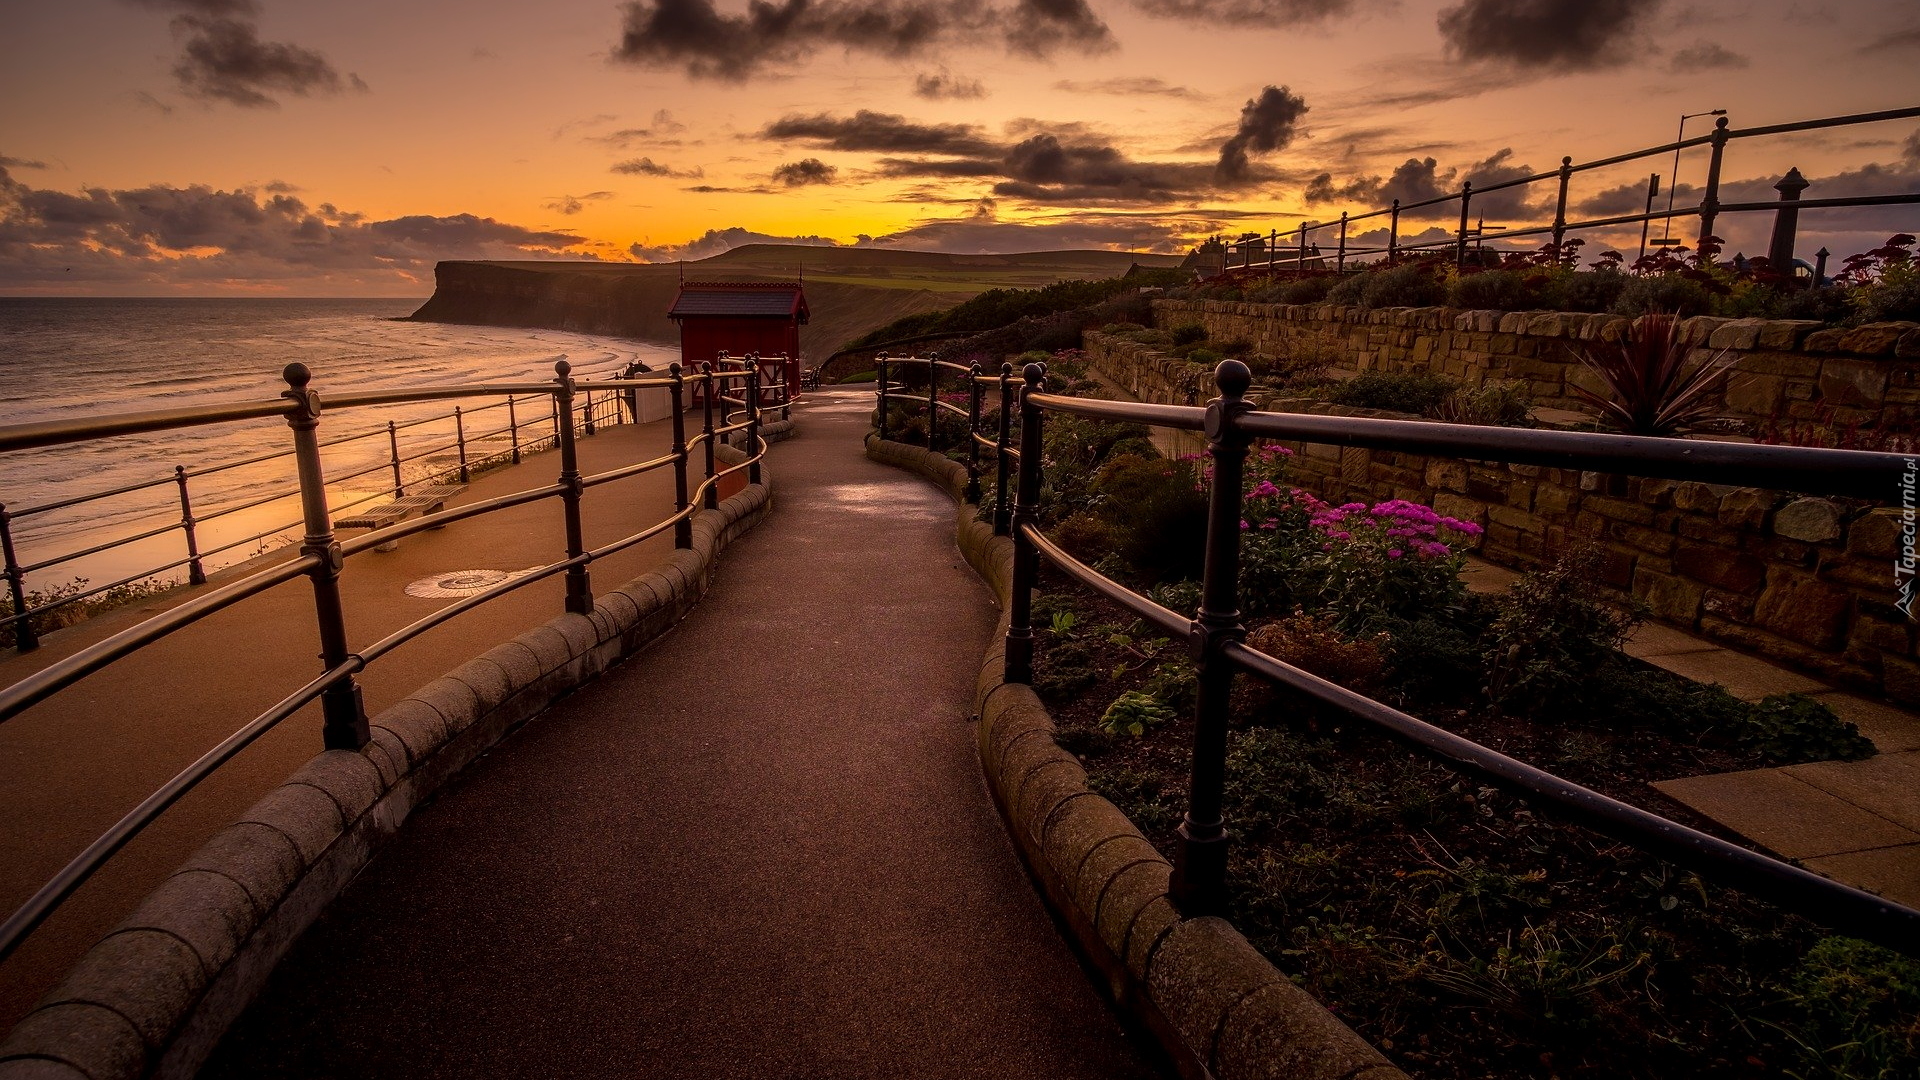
(763, 848)
(73, 765)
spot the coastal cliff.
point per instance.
(632, 300)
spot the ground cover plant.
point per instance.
(1465, 932)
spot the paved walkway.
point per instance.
(761, 849)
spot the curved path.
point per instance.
(761, 849)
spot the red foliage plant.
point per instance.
(1652, 389)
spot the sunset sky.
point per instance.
(341, 148)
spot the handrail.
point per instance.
(1214, 634)
(323, 559)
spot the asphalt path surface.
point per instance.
(762, 848)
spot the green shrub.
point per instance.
(1206, 358)
(1308, 290)
(1894, 296)
(1853, 1010)
(1087, 537)
(1585, 290)
(1159, 514)
(860, 377)
(1407, 285)
(1188, 333)
(1399, 391)
(1554, 634)
(1174, 683)
(1495, 404)
(1132, 713)
(1790, 729)
(1663, 293)
(1436, 658)
(1493, 290)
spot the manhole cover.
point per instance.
(462, 582)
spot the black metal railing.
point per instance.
(1300, 247)
(440, 448)
(323, 558)
(1215, 635)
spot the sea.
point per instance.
(79, 358)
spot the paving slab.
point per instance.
(762, 848)
(1890, 872)
(1887, 784)
(1748, 678)
(1792, 817)
(1892, 730)
(1653, 639)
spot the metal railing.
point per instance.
(1302, 243)
(1215, 636)
(451, 457)
(323, 558)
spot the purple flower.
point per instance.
(1394, 553)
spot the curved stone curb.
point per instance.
(156, 995)
(1217, 1006)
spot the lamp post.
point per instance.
(1675, 178)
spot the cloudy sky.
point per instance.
(340, 148)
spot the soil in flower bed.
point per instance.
(1457, 928)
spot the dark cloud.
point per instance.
(1129, 86)
(1421, 179)
(804, 172)
(151, 102)
(162, 235)
(646, 166)
(1261, 13)
(20, 163)
(715, 241)
(880, 132)
(1707, 56)
(573, 204)
(1906, 40)
(1563, 34)
(1267, 123)
(225, 60)
(693, 35)
(945, 86)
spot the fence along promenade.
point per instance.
(726, 390)
(1264, 251)
(1231, 424)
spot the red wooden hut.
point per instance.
(741, 317)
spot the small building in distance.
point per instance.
(741, 317)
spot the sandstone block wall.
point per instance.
(1808, 581)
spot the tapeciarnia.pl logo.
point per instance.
(1904, 578)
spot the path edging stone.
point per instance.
(1215, 1005)
(156, 995)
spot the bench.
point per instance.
(425, 500)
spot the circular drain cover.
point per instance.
(461, 582)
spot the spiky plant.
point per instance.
(1651, 389)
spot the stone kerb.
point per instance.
(155, 996)
(1217, 1006)
(1807, 581)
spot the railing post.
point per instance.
(579, 586)
(393, 456)
(586, 411)
(973, 429)
(24, 639)
(1560, 208)
(712, 498)
(683, 528)
(1340, 261)
(1393, 234)
(1466, 199)
(719, 386)
(753, 419)
(882, 425)
(344, 714)
(1786, 222)
(1198, 886)
(933, 396)
(460, 438)
(786, 392)
(1300, 263)
(196, 573)
(513, 429)
(1002, 515)
(1026, 558)
(1710, 201)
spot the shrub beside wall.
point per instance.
(1807, 581)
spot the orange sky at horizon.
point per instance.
(224, 146)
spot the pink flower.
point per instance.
(1394, 553)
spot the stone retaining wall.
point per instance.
(1217, 1006)
(1795, 370)
(1803, 580)
(156, 995)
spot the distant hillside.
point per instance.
(850, 291)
